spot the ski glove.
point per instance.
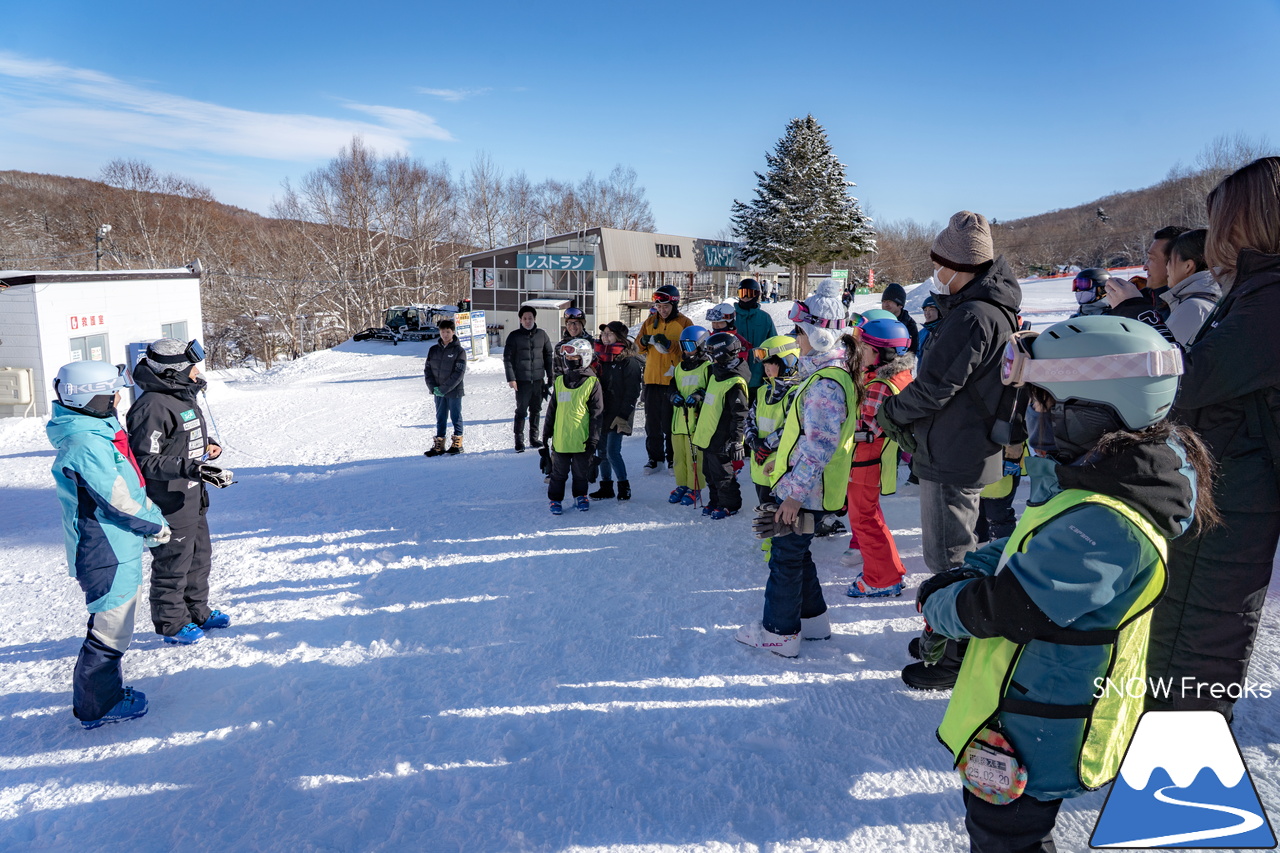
(661, 342)
(695, 399)
(762, 453)
(645, 340)
(676, 399)
(544, 462)
(217, 476)
(546, 391)
(932, 646)
(157, 539)
(943, 579)
(436, 390)
(896, 432)
(594, 473)
(766, 526)
(620, 426)
(1012, 468)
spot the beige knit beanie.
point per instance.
(965, 244)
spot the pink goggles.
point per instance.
(1020, 367)
(800, 314)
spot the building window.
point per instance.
(89, 348)
(177, 331)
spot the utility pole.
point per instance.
(98, 237)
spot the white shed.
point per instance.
(51, 317)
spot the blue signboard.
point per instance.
(555, 262)
(720, 256)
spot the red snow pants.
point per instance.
(881, 565)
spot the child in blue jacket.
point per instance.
(1066, 600)
(106, 516)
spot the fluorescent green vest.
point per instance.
(768, 418)
(888, 460)
(684, 419)
(573, 422)
(989, 664)
(712, 407)
(835, 477)
(1003, 487)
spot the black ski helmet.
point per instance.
(724, 349)
(1098, 277)
(667, 293)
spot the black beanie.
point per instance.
(895, 293)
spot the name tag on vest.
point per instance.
(564, 396)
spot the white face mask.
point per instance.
(936, 285)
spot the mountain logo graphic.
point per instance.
(1183, 783)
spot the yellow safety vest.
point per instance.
(573, 421)
(835, 477)
(1003, 487)
(989, 664)
(685, 418)
(713, 406)
(768, 418)
(888, 460)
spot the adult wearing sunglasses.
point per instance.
(170, 439)
(658, 342)
(754, 325)
(945, 417)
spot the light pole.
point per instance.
(98, 237)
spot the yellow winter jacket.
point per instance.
(657, 365)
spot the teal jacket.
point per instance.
(105, 509)
(757, 327)
(1082, 570)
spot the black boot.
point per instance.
(519, 442)
(624, 490)
(941, 675)
(605, 490)
(534, 423)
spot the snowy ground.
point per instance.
(424, 659)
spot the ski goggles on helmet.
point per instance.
(659, 296)
(193, 354)
(1019, 367)
(688, 347)
(800, 313)
(779, 352)
(1083, 284)
(575, 314)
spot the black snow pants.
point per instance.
(561, 466)
(657, 422)
(1022, 826)
(180, 577)
(724, 489)
(529, 403)
(1204, 627)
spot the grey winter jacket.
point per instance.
(444, 368)
(950, 407)
(527, 355)
(1190, 302)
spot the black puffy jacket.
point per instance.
(168, 436)
(527, 355)
(621, 380)
(951, 405)
(445, 367)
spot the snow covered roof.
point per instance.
(11, 278)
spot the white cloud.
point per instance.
(452, 94)
(68, 104)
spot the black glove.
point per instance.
(594, 474)
(661, 342)
(544, 461)
(762, 454)
(766, 526)
(932, 646)
(546, 391)
(645, 340)
(943, 579)
(676, 399)
(216, 476)
(896, 432)
(735, 453)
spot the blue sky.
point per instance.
(1008, 108)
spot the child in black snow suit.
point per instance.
(572, 429)
(721, 424)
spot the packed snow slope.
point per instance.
(423, 658)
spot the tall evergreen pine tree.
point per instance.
(802, 213)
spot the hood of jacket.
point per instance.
(66, 423)
(998, 285)
(173, 383)
(1201, 282)
(1153, 476)
(892, 368)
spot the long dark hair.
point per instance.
(1199, 457)
(853, 362)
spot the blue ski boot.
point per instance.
(556, 508)
(217, 619)
(189, 635)
(677, 494)
(130, 707)
(582, 503)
